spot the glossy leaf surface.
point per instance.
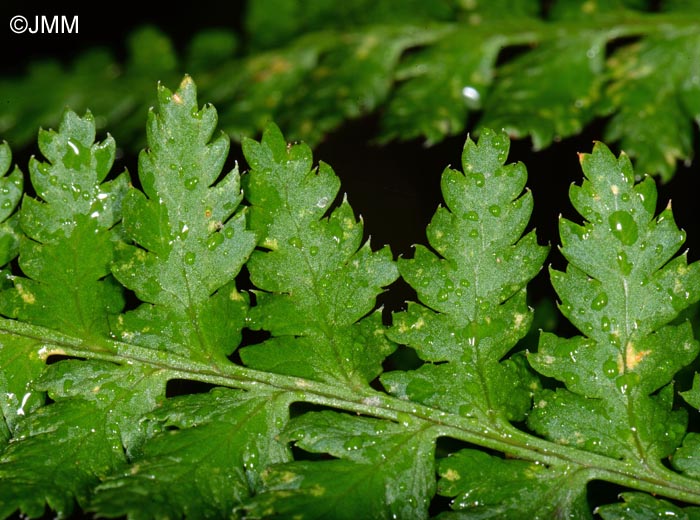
(320, 280)
(472, 291)
(621, 289)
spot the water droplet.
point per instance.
(605, 323)
(313, 250)
(627, 382)
(623, 227)
(53, 180)
(190, 257)
(479, 179)
(322, 202)
(599, 301)
(7, 204)
(474, 233)
(472, 215)
(658, 249)
(191, 183)
(442, 296)
(495, 210)
(610, 368)
(471, 97)
(625, 266)
(228, 232)
(215, 241)
(464, 282)
(295, 242)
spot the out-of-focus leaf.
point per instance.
(652, 97)
(549, 92)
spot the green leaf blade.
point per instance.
(70, 235)
(321, 283)
(484, 486)
(61, 451)
(11, 188)
(190, 242)
(472, 290)
(621, 289)
(383, 470)
(228, 436)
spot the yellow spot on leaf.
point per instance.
(451, 475)
(418, 324)
(615, 190)
(45, 352)
(589, 7)
(633, 357)
(519, 319)
(177, 99)
(270, 243)
(27, 297)
(318, 491)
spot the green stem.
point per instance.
(506, 439)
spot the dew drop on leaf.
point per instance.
(610, 368)
(472, 215)
(599, 301)
(479, 179)
(627, 382)
(295, 242)
(623, 227)
(313, 250)
(190, 257)
(623, 263)
(474, 233)
(495, 210)
(229, 232)
(191, 183)
(442, 296)
(214, 241)
(605, 323)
